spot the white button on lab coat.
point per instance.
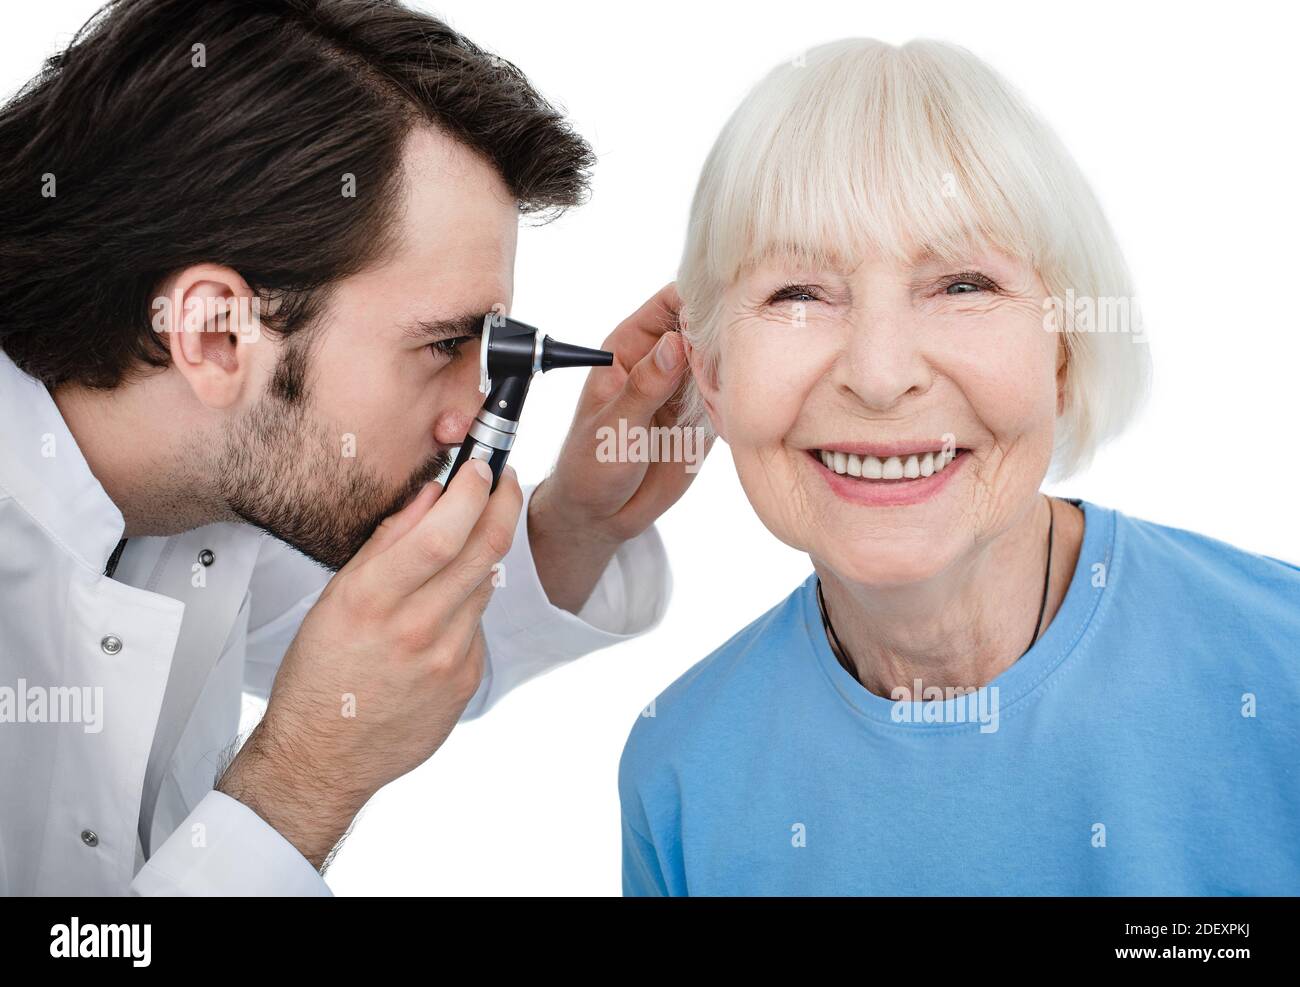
(123, 801)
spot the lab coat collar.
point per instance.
(43, 470)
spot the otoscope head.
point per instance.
(512, 348)
(510, 354)
(567, 355)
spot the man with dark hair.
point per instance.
(246, 248)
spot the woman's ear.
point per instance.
(1062, 374)
(706, 383)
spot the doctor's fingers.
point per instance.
(449, 590)
(651, 384)
(466, 625)
(451, 526)
(446, 644)
(639, 332)
(397, 524)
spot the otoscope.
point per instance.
(510, 353)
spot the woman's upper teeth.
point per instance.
(890, 468)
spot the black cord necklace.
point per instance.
(842, 655)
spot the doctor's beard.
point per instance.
(284, 472)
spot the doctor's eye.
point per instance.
(794, 293)
(450, 347)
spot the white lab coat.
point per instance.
(126, 804)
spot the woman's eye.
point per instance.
(794, 293)
(449, 347)
(965, 284)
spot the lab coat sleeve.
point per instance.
(224, 848)
(284, 586)
(526, 634)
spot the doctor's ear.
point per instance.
(211, 319)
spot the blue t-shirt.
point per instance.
(1147, 744)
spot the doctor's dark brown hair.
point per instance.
(164, 154)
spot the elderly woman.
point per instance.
(892, 286)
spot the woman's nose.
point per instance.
(882, 361)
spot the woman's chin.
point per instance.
(881, 565)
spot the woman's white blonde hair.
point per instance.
(858, 145)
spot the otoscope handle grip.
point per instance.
(472, 448)
(493, 431)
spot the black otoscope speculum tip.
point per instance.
(510, 353)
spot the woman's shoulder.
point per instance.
(1212, 561)
(732, 678)
(1204, 580)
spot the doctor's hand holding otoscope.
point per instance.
(399, 625)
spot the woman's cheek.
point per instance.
(1004, 364)
(769, 373)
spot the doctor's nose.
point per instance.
(463, 399)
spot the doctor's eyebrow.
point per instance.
(426, 330)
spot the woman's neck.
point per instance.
(968, 624)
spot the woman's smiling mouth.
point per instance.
(888, 476)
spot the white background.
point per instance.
(1183, 118)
